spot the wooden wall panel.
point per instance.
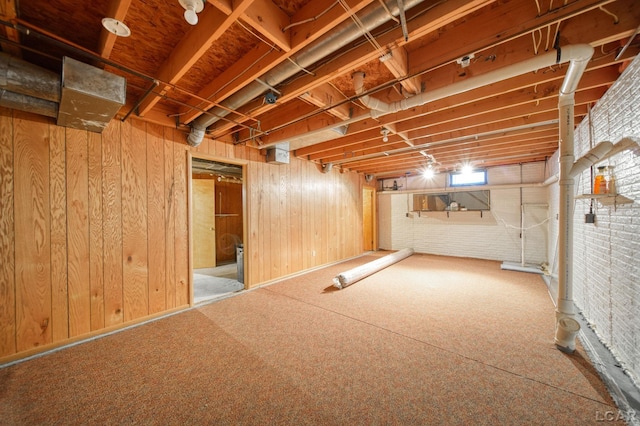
(228, 220)
(78, 232)
(58, 206)
(32, 225)
(135, 272)
(181, 243)
(170, 214)
(295, 214)
(254, 200)
(274, 245)
(112, 222)
(96, 232)
(156, 220)
(7, 279)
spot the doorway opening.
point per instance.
(217, 219)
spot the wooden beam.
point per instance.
(437, 16)
(192, 47)
(325, 96)
(257, 62)
(117, 10)
(268, 19)
(8, 13)
(397, 61)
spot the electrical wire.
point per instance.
(313, 18)
(367, 34)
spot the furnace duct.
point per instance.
(343, 35)
(356, 274)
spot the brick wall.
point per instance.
(493, 235)
(606, 273)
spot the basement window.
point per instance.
(476, 177)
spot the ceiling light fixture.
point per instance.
(116, 27)
(191, 10)
(385, 135)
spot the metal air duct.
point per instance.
(371, 17)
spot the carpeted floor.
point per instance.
(429, 340)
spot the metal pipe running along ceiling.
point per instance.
(371, 17)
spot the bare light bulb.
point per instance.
(190, 15)
(428, 173)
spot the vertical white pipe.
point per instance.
(522, 242)
(565, 213)
(566, 325)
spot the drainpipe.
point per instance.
(343, 35)
(566, 325)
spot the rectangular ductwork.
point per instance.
(90, 97)
(278, 154)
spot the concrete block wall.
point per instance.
(494, 235)
(606, 271)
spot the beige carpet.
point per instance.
(429, 340)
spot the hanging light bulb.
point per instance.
(191, 10)
(385, 135)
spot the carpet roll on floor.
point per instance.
(349, 277)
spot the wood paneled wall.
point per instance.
(94, 227)
(229, 220)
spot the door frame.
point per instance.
(245, 209)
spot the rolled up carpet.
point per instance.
(359, 272)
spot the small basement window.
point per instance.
(476, 177)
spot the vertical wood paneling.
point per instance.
(32, 224)
(285, 187)
(59, 279)
(275, 224)
(78, 232)
(112, 222)
(181, 243)
(307, 215)
(295, 214)
(135, 271)
(95, 229)
(96, 249)
(253, 250)
(156, 222)
(170, 226)
(7, 279)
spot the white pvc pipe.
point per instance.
(591, 157)
(356, 274)
(574, 53)
(565, 311)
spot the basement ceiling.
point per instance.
(262, 72)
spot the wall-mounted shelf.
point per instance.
(606, 199)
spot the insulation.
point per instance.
(356, 274)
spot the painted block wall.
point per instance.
(495, 235)
(606, 271)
